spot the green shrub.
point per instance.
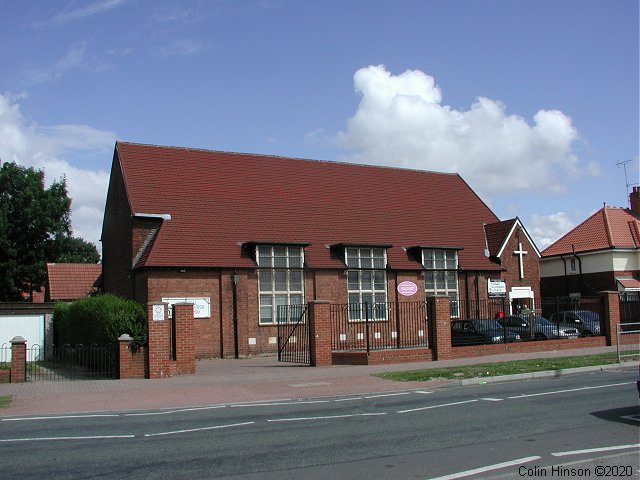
(100, 320)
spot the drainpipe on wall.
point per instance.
(573, 249)
(234, 282)
(566, 279)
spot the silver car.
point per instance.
(542, 329)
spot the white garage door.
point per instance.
(30, 327)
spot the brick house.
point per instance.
(239, 234)
(71, 281)
(600, 254)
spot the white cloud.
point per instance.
(45, 148)
(76, 58)
(546, 229)
(90, 10)
(401, 119)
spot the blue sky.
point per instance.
(533, 103)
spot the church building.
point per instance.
(240, 234)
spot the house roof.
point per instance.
(629, 284)
(606, 229)
(499, 233)
(71, 281)
(211, 204)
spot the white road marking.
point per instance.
(488, 468)
(594, 450)
(328, 417)
(50, 439)
(487, 399)
(58, 417)
(570, 390)
(388, 395)
(169, 412)
(215, 427)
(347, 399)
(422, 392)
(437, 406)
(277, 403)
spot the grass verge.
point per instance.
(501, 368)
(5, 401)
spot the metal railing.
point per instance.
(628, 340)
(378, 326)
(71, 363)
(294, 345)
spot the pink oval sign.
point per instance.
(407, 288)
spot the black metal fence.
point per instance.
(294, 345)
(630, 309)
(71, 363)
(378, 326)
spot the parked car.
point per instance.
(586, 321)
(542, 329)
(480, 332)
(638, 381)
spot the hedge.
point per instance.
(99, 320)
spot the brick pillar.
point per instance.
(130, 364)
(611, 315)
(441, 324)
(319, 318)
(18, 360)
(185, 338)
(159, 341)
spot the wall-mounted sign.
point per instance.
(158, 313)
(407, 288)
(497, 288)
(201, 305)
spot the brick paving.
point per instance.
(227, 381)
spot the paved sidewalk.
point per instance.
(225, 381)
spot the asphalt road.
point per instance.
(577, 426)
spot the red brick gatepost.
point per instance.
(171, 343)
(441, 325)
(18, 360)
(319, 317)
(159, 342)
(185, 338)
(130, 364)
(611, 315)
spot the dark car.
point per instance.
(542, 328)
(480, 332)
(586, 321)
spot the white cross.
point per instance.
(521, 253)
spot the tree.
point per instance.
(35, 228)
(68, 249)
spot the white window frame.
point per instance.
(448, 269)
(366, 282)
(276, 266)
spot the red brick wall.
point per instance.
(191, 283)
(521, 347)
(131, 364)
(116, 238)
(510, 262)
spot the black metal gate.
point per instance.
(294, 344)
(71, 363)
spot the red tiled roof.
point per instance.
(71, 281)
(629, 283)
(606, 229)
(218, 201)
(497, 235)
